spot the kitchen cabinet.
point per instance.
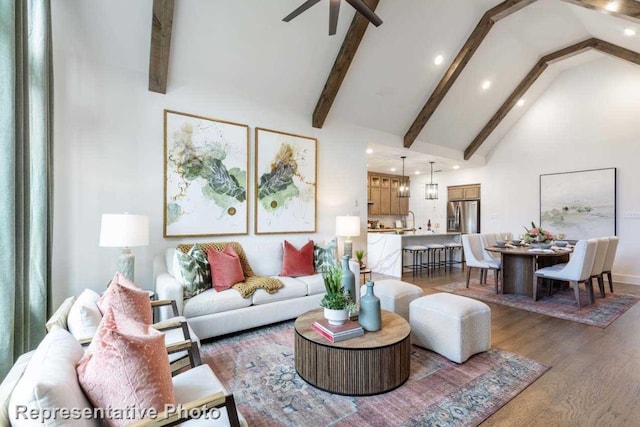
(383, 195)
(464, 192)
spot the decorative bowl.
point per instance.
(561, 243)
(541, 245)
(501, 244)
(516, 242)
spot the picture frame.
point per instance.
(206, 183)
(285, 182)
(579, 204)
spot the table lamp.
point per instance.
(348, 226)
(125, 231)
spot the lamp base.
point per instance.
(126, 263)
(348, 248)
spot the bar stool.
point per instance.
(450, 254)
(416, 252)
(434, 249)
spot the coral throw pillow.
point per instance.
(297, 262)
(226, 269)
(126, 366)
(124, 296)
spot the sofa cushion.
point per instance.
(297, 262)
(325, 257)
(293, 288)
(211, 301)
(59, 317)
(315, 284)
(192, 270)
(84, 316)
(49, 382)
(126, 366)
(226, 269)
(124, 296)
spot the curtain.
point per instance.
(26, 122)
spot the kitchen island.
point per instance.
(384, 250)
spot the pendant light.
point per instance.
(431, 190)
(403, 188)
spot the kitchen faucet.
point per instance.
(413, 221)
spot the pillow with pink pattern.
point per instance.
(124, 296)
(126, 366)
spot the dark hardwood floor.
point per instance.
(594, 378)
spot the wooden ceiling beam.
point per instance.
(161, 27)
(341, 65)
(536, 71)
(481, 30)
(625, 9)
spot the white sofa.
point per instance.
(212, 313)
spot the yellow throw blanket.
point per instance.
(251, 281)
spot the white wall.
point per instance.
(109, 159)
(587, 119)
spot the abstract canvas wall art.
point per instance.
(206, 164)
(580, 205)
(285, 183)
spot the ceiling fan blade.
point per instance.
(361, 7)
(306, 5)
(334, 10)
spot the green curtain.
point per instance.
(26, 124)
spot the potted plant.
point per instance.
(360, 256)
(336, 302)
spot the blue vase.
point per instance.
(348, 279)
(370, 317)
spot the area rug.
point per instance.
(561, 304)
(258, 367)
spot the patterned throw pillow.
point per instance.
(326, 257)
(123, 295)
(192, 271)
(126, 366)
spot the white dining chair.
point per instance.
(576, 271)
(608, 262)
(598, 263)
(474, 257)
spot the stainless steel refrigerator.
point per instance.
(463, 216)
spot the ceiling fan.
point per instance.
(334, 9)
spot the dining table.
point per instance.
(519, 264)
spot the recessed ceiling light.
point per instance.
(369, 150)
(612, 6)
(520, 102)
(486, 84)
(438, 59)
(456, 166)
(392, 169)
(629, 32)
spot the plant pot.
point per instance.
(336, 317)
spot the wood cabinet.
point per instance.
(383, 195)
(464, 192)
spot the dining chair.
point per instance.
(608, 262)
(473, 254)
(576, 271)
(598, 263)
(488, 240)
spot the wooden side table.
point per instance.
(373, 363)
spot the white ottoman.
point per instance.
(395, 295)
(451, 325)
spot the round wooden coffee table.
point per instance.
(373, 363)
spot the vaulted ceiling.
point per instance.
(244, 48)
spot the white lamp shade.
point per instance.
(348, 226)
(124, 230)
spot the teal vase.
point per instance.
(370, 316)
(348, 279)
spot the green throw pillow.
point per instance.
(326, 257)
(194, 272)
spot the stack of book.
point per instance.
(348, 329)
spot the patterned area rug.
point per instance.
(258, 367)
(561, 304)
